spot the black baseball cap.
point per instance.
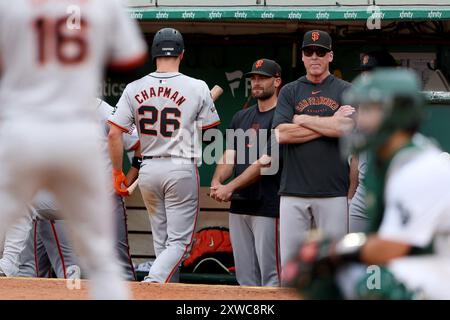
(265, 67)
(317, 38)
(375, 59)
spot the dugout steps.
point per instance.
(212, 213)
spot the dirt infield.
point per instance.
(56, 289)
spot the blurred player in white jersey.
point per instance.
(53, 54)
(169, 110)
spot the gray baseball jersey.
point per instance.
(169, 110)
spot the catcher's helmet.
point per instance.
(167, 42)
(388, 100)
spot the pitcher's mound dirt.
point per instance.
(57, 289)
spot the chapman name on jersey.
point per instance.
(164, 92)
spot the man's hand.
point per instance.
(119, 181)
(344, 111)
(213, 188)
(222, 193)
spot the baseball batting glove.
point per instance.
(119, 179)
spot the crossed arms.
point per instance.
(306, 128)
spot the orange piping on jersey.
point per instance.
(211, 125)
(120, 127)
(130, 63)
(136, 146)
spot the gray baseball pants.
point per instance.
(358, 218)
(47, 247)
(255, 249)
(299, 215)
(170, 191)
